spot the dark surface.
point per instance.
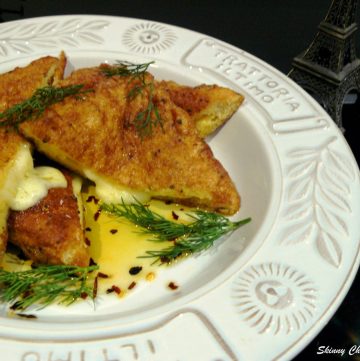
(275, 31)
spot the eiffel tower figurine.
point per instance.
(329, 69)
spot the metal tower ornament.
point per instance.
(329, 69)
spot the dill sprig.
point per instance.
(34, 106)
(147, 119)
(44, 285)
(126, 68)
(186, 239)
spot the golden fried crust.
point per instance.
(51, 232)
(16, 86)
(209, 106)
(20, 83)
(10, 144)
(96, 133)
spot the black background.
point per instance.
(273, 30)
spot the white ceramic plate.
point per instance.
(264, 292)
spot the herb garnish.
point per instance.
(126, 68)
(45, 285)
(34, 106)
(148, 118)
(187, 238)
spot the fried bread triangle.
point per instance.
(15, 160)
(16, 86)
(209, 106)
(95, 136)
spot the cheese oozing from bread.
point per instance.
(34, 183)
(111, 193)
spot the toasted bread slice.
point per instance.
(95, 136)
(14, 162)
(209, 106)
(15, 157)
(20, 83)
(51, 232)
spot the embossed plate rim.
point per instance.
(158, 42)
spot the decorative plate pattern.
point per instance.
(280, 278)
(319, 199)
(274, 298)
(26, 38)
(149, 38)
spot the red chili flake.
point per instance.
(174, 215)
(84, 295)
(88, 229)
(135, 270)
(27, 293)
(116, 289)
(102, 275)
(97, 214)
(87, 241)
(113, 231)
(92, 199)
(15, 306)
(173, 286)
(132, 285)
(24, 315)
(164, 259)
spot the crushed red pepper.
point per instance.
(102, 275)
(97, 214)
(174, 215)
(92, 199)
(173, 286)
(135, 270)
(114, 288)
(24, 315)
(132, 285)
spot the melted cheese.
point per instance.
(35, 186)
(22, 164)
(25, 185)
(110, 193)
(11, 263)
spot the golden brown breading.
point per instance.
(16, 86)
(96, 134)
(51, 231)
(10, 144)
(209, 106)
(20, 83)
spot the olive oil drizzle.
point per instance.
(186, 239)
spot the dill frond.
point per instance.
(35, 106)
(147, 119)
(186, 239)
(45, 285)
